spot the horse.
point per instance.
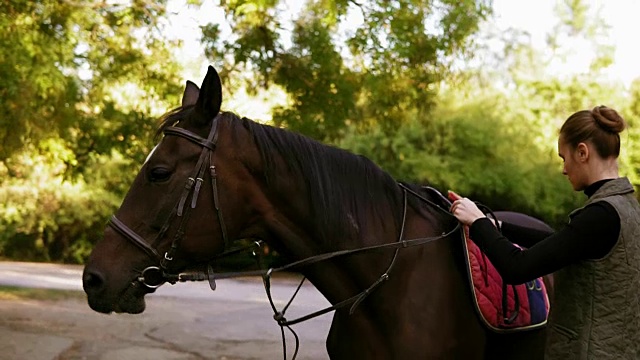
(215, 178)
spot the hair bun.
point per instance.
(608, 119)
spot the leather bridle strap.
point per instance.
(194, 182)
(216, 202)
(136, 239)
(192, 187)
(207, 143)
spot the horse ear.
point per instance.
(210, 99)
(190, 96)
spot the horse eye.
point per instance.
(159, 174)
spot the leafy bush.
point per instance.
(473, 148)
(46, 217)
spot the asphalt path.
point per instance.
(182, 321)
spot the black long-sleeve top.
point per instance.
(590, 235)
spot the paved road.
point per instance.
(184, 321)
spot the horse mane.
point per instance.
(347, 192)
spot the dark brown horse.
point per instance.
(215, 177)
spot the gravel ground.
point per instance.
(63, 327)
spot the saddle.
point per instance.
(502, 308)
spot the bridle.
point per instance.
(156, 275)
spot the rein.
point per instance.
(156, 275)
(356, 299)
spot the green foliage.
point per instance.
(48, 218)
(80, 82)
(338, 78)
(471, 147)
(630, 142)
(65, 65)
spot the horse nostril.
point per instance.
(92, 281)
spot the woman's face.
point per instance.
(572, 166)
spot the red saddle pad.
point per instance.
(532, 308)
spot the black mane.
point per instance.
(342, 187)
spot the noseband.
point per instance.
(154, 276)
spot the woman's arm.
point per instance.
(523, 235)
(591, 234)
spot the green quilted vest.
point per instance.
(596, 312)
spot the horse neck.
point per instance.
(322, 206)
(291, 232)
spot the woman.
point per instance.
(596, 309)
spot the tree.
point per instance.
(382, 72)
(78, 85)
(64, 64)
(493, 134)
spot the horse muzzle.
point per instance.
(101, 299)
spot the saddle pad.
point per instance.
(532, 310)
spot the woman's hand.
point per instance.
(466, 211)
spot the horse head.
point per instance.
(164, 223)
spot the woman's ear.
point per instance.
(582, 152)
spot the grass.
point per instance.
(12, 293)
